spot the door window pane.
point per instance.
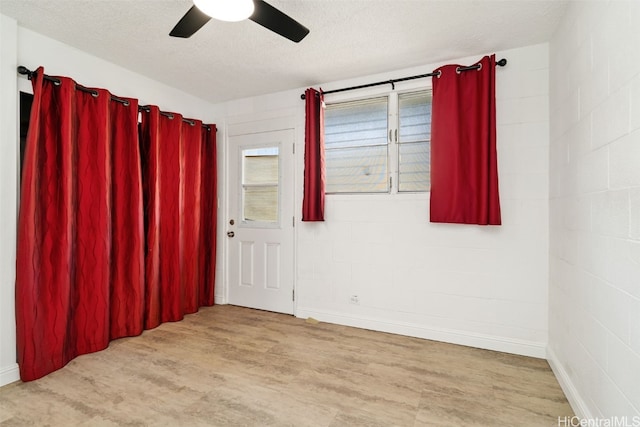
(260, 184)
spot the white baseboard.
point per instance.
(9, 374)
(219, 300)
(576, 401)
(469, 339)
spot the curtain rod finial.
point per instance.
(25, 71)
(502, 62)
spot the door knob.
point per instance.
(230, 233)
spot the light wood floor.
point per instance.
(231, 366)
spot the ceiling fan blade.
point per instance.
(278, 22)
(191, 22)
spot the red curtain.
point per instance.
(464, 168)
(111, 240)
(179, 176)
(71, 248)
(208, 216)
(150, 160)
(192, 222)
(162, 143)
(127, 249)
(314, 168)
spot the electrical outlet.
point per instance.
(354, 299)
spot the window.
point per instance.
(414, 154)
(379, 145)
(260, 177)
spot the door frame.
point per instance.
(246, 125)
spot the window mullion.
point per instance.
(392, 132)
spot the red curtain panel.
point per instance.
(150, 168)
(65, 260)
(180, 197)
(127, 248)
(208, 216)
(171, 218)
(163, 193)
(91, 228)
(314, 168)
(192, 196)
(464, 169)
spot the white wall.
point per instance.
(479, 286)
(8, 197)
(59, 59)
(20, 46)
(594, 321)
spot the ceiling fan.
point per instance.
(258, 11)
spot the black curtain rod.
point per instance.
(393, 82)
(27, 72)
(170, 116)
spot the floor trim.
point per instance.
(469, 339)
(9, 374)
(576, 401)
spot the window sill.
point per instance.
(379, 196)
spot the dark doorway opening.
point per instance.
(26, 100)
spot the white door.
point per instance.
(260, 221)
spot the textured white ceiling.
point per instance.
(348, 38)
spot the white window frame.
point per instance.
(393, 149)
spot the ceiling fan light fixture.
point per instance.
(226, 10)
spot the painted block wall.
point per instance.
(594, 311)
(19, 46)
(473, 285)
(8, 195)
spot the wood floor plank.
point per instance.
(232, 366)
